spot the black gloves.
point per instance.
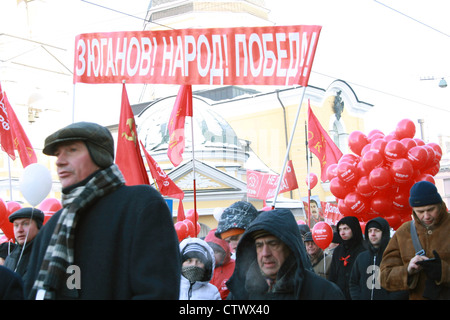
(433, 270)
(433, 267)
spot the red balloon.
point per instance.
(190, 227)
(365, 149)
(356, 141)
(13, 206)
(374, 132)
(350, 158)
(419, 141)
(401, 201)
(394, 220)
(182, 230)
(389, 137)
(437, 149)
(322, 234)
(372, 159)
(347, 172)
(381, 204)
(408, 143)
(361, 170)
(380, 178)
(402, 171)
(6, 226)
(432, 159)
(394, 150)
(417, 156)
(378, 145)
(425, 177)
(343, 209)
(434, 170)
(312, 179)
(405, 129)
(339, 189)
(192, 215)
(50, 204)
(375, 136)
(355, 203)
(331, 171)
(364, 188)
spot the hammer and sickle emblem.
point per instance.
(130, 123)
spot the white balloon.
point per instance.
(217, 213)
(36, 183)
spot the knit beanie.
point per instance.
(235, 219)
(424, 193)
(194, 250)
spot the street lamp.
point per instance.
(442, 83)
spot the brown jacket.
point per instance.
(400, 250)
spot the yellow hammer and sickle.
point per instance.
(130, 123)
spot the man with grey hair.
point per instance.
(106, 241)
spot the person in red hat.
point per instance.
(224, 264)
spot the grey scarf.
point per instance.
(60, 251)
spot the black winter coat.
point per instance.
(364, 279)
(125, 247)
(11, 286)
(295, 280)
(345, 255)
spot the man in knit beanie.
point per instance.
(425, 273)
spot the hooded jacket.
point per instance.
(223, 270)
(400, 250)
(295, 280)
(345, 255)
(364, 279)
(199, 290)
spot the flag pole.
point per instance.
(10, 183)
(193, 172)
(308, 216)
(288, 148)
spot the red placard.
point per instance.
(263, 185)
(276, 55)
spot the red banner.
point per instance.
(264, 185)
(275, 55)
(331, 213)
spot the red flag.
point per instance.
(21, 142)
(320, 143)
(6, 138)
(128, 156)
(264, 185)
(181, 109)
(165, 185)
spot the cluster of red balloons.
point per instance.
(186, 228)
(49, 206)
(376, 178)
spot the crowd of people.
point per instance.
(106, 243)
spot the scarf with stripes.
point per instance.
(60, 251)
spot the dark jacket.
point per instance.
(125, 247)
(17, 263)
(294, 280)
(364, 279)
(11, 286)
(345, 255)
